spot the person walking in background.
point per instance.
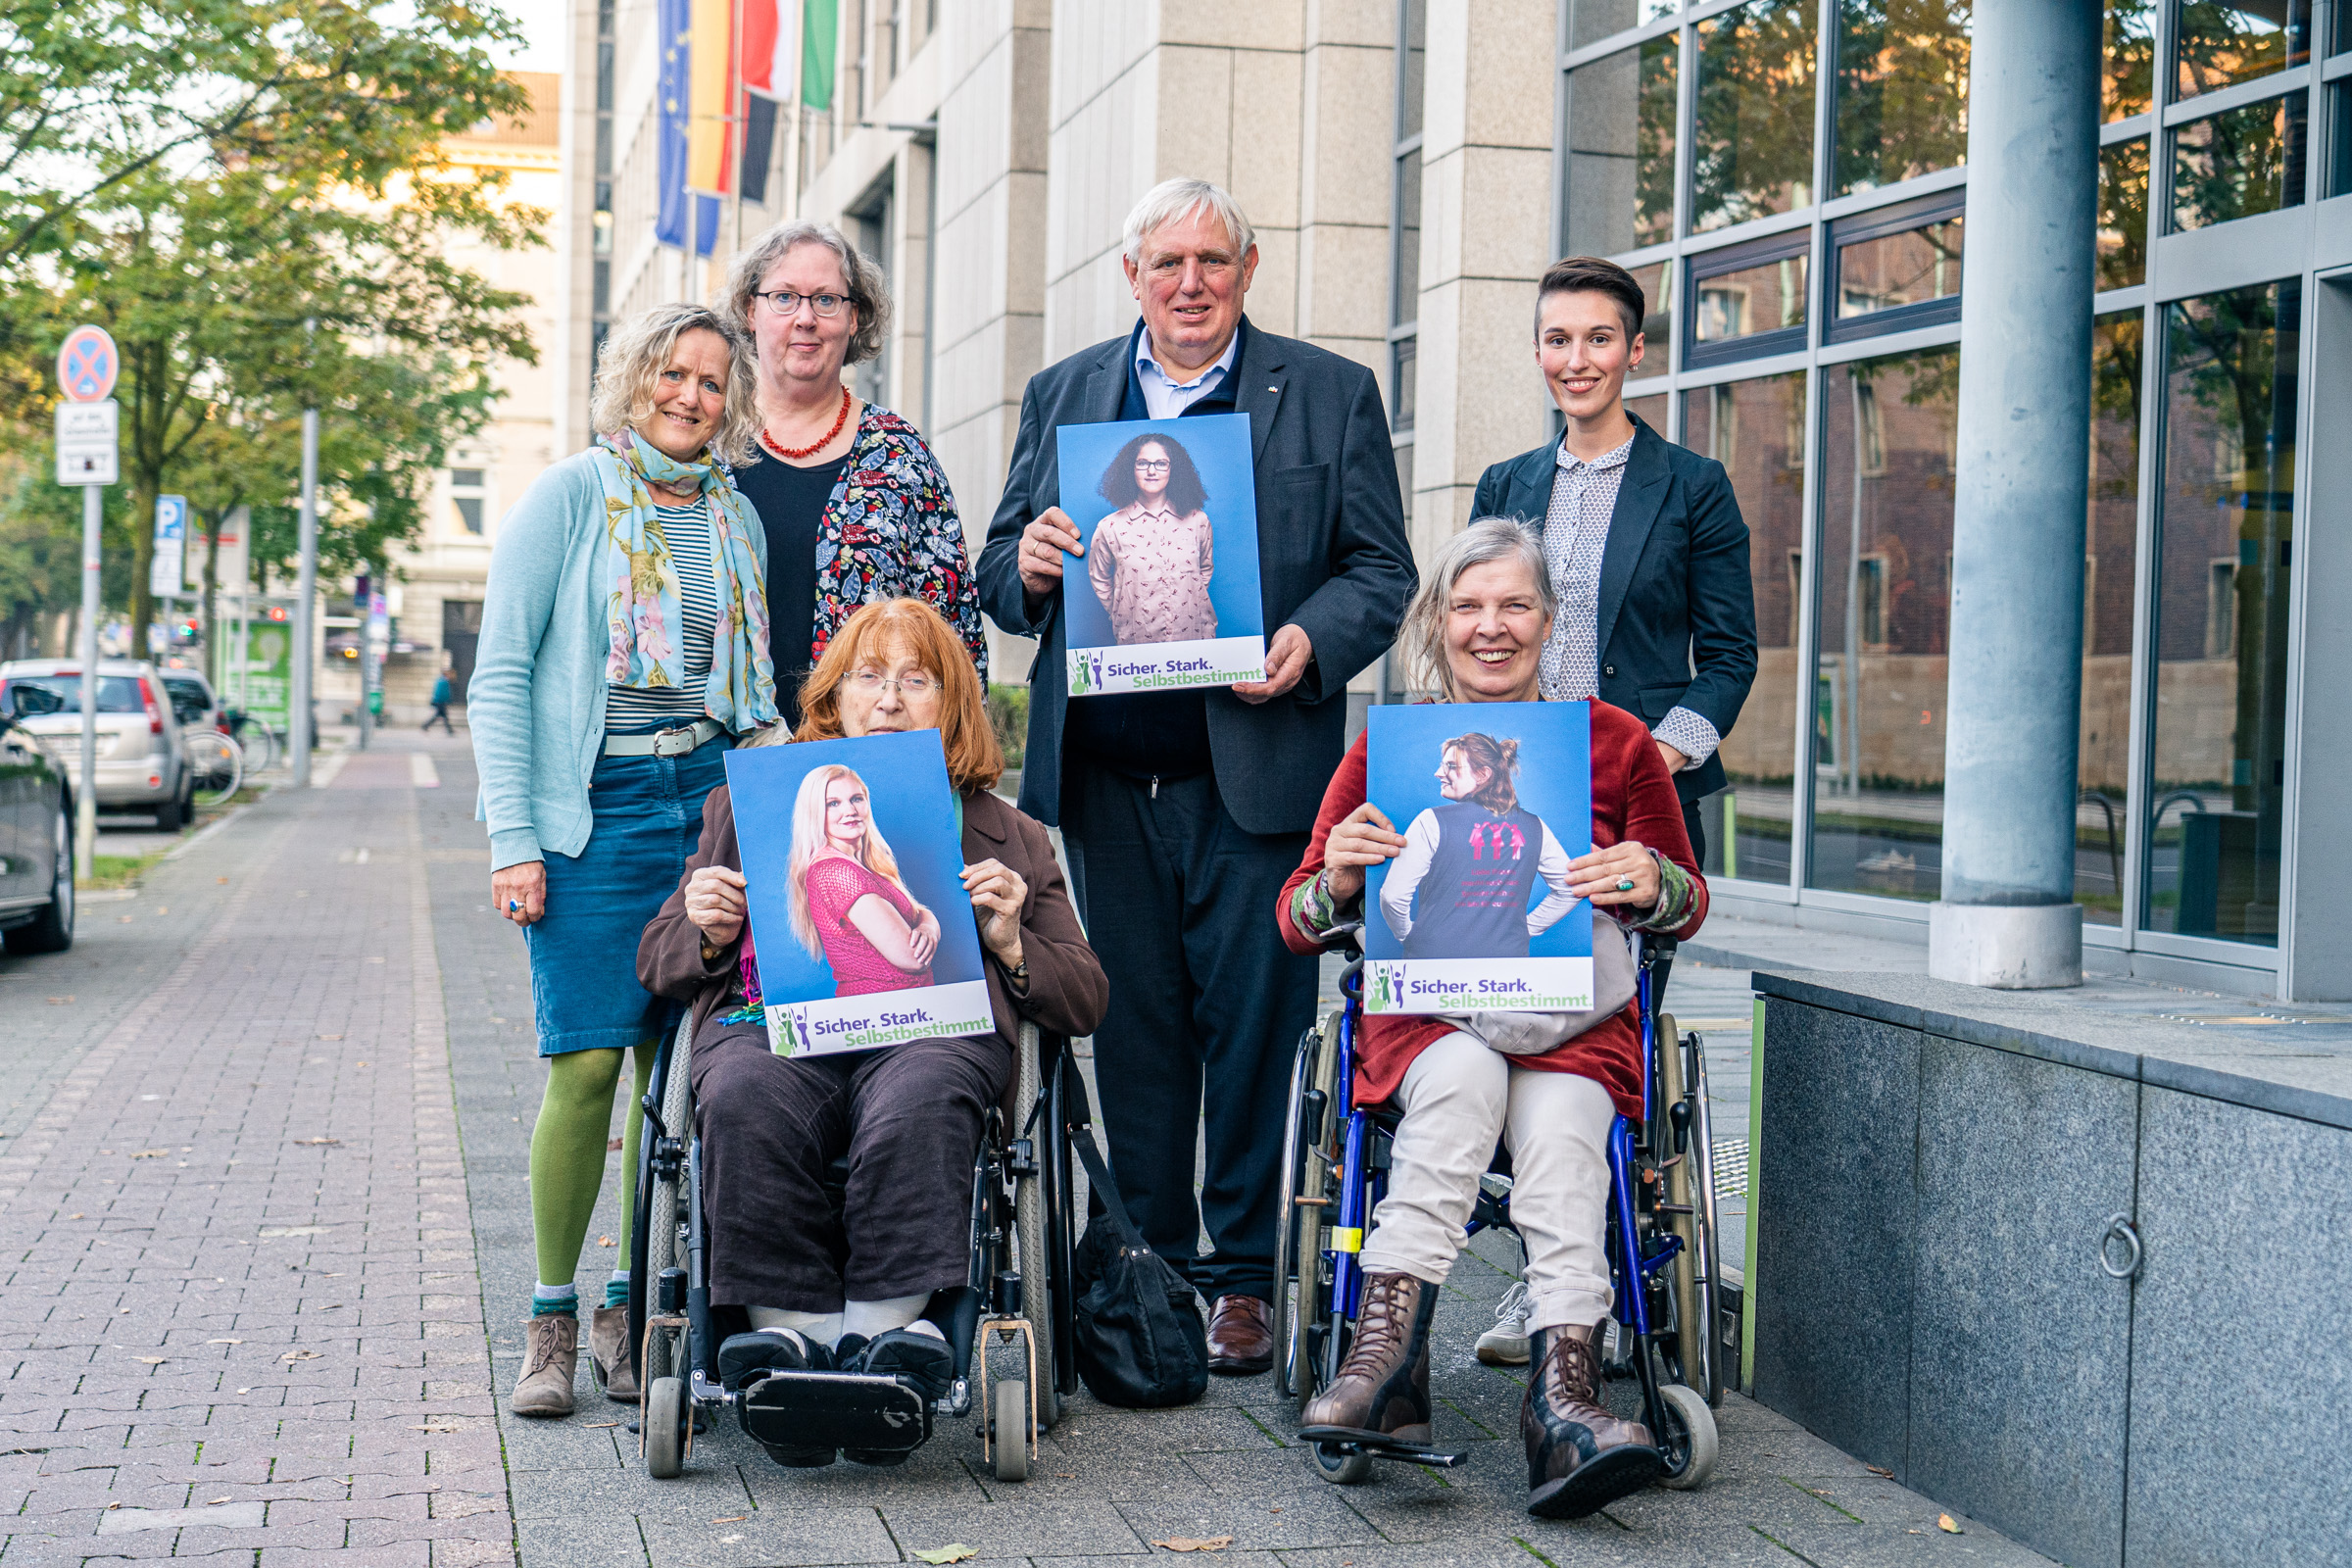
(1183, 811)
(441, 703)
(855, 508)
(1152, 561)
(1644, 540)
(624, 644)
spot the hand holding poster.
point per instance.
(1166, 593)
(853, 869)
(1475, 914)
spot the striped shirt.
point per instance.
(630, 708)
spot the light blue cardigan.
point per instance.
(536, 703)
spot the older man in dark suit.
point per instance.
(1183, 813)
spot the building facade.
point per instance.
(1789, 179)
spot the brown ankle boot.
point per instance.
(1579, 1459)
(1382, 1390)
(611, 1355)
(554, 1356)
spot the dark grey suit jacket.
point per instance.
(1332, 553)
(1677, 619)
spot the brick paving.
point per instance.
(222, 1338)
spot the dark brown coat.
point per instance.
(1067, 990)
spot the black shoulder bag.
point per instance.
(1140, 1342)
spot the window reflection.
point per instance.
(1657, 327)
(2239, 163)
(2223, 533)
(1590, 20)
(1753, 153)
(1892, 270)
(1765, 297)
(2127, 82)
(1650, 410)
(1620, 167)
(2122, 238)
(1756, 429)
(2110, 538)
(1889, 427)
(2218, 42)
(1903, 90)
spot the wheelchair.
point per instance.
(1666, 1335)
(1018, 1289)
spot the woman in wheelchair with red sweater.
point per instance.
(1475, 632)
(848, 1291)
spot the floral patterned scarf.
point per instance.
(644, 604)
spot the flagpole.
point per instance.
(739, 115)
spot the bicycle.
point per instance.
(254, 740)
(219, 766)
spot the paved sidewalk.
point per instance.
(238, 1312)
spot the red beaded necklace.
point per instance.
(817, 445)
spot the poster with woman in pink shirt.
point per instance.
(1164, 593)
(861, 930)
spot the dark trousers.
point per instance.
(1693, 825)
(441, 717)
(908, 1118)
(1206, 1007)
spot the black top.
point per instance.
(791, 503)
(1333, 560)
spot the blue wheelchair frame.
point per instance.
(1361, 1181)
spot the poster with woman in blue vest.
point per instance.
(1475, 914)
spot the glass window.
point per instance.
(1756, 429)
(1404, 299)
(2218, 42)
(1657, 327)
(1590, 20)
(1911, 266)
(1890, 428)
(1753, 155)
(2122, 238)
(2224, 531)
(1650, 410)
(2239, 163)
(1620, 165)
(1735, 298)
(2340, 31)
(2127, 84)
(1402, 355)
(465, 477)
(117, 694)
(1411, 67)
(2110, 551)
(1903, 90)
(2339, 156)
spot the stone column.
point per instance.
(2008, 917)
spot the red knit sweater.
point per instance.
(1633, 798)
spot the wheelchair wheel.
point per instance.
(1340, 1469)
(666, 1418)
(660, 1209)
(1010, 1405)
(1033, 1239)
(1706, 1306)
(1300, 1294)
(1690, 1442)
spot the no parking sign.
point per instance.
(87, 363)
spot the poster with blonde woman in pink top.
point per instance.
(1164, 591)
(861, 931)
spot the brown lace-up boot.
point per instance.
(1579, 1459)
(1382, 1392)
(554, 1356)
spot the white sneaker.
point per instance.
(1506, 1343)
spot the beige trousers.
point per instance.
(1459, 1100)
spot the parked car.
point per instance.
(142, 763)
(36, 844)
(193, 702)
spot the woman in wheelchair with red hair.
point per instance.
(848, 1291)
(1476, 631)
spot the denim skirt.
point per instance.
(647, 820)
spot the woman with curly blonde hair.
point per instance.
(624, 647)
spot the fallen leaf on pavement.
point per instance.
(215, 1502)
(300, 1355)
(155, 1360)
(611, 1144)
(731, 1519)
(219, 879)
(604, 1240)
(955, 1552)
(59, 1002)
(322, 1142)
(1943, 1522)
(224, 1341)
(1187, 1544)
(151, 1154)
(330, 1037)
(593, 1425)
(1876, 1471)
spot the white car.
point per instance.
(142, 763)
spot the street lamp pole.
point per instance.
(86, 798)
(306, 599)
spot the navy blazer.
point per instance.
(1332, 559)
(1677, 619)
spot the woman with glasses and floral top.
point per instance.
(855, 505)
(852, 1295)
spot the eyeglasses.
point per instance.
(1150, 465)
(870, 683)
(786, 301)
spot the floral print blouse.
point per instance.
(890, 531)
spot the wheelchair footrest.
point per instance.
(1351, 1439)
(797, 1411)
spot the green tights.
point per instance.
(567, 1154)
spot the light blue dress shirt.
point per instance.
(1166, 399)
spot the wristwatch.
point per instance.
(1018, 976)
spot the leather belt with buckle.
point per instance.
(664, 742)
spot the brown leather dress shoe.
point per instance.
(1580, 1457)
(1241, 1335)
(1382, 1392)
